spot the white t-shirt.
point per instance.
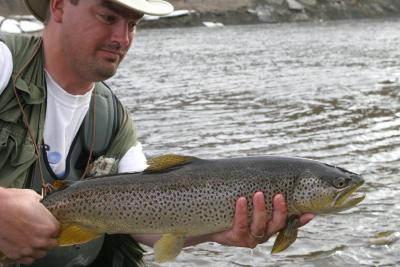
(64, 116)
(6, 66)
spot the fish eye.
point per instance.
(340, 182)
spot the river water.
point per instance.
(327, 91)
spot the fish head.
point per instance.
(327, 189)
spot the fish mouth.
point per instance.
(349, 197)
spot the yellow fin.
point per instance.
(168, 247)
(73, 234)
(61, 184)
(167, 162)
(288, 235)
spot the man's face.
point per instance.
(95, 37)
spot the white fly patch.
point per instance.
(103, 166)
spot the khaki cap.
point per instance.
(38, 8)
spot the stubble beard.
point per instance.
(105, 69)
(97, 69)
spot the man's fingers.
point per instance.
(35, 231)
(241, 215)
(279, 215)
(259, 220)
(26, 260)
(306, 218)
(53, 243)
(243, 234)
(39, 254)
(45, 243)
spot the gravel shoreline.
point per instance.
(233, 12)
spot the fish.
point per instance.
(179, 196)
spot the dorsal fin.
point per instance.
(167, 162)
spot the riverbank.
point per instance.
(233, 12)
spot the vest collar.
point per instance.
(30, 80)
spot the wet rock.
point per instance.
(388, 5)
(308, 2)
(266, 13)
(20, 24)
(300, 17)
(275, 2)
(294, 5)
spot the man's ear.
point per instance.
(57, 9)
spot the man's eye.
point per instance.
(107, 18)
(132, 26)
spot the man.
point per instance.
(51, 95)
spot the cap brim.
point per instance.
(149, 7)
(38, 8)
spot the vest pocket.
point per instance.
(25, 156)
(14, 150)
(16, 156)
(5, 149)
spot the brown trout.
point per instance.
(180, 196)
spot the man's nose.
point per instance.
(122, 34)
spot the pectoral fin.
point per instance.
(288, 235)
(168, 247)
(73, 234)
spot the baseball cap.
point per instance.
(38, 8)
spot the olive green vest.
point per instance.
(115, 134)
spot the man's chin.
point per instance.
(105, 73)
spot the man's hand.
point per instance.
(27, 229)
(243, 234)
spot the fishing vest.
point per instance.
(115, 134)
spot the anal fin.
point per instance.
(168, 247)
(288, 235)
